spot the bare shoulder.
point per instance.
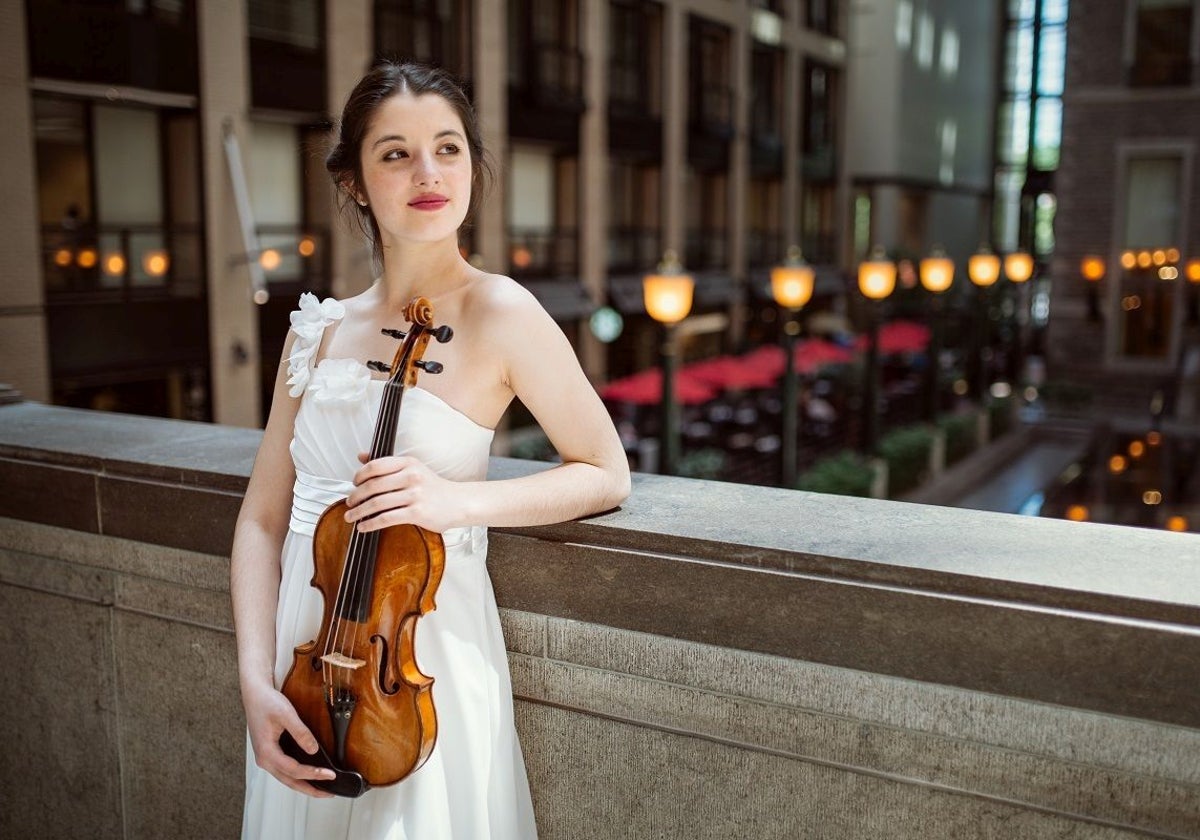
(498, 305)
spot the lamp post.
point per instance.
(937, 275)
(1191, 270)
(983, 268)
(668, 297)
(1018, 268)
(792, 288)
(1093, 269)
(876, 280)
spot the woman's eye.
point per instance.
(450, 149)
(395, 154)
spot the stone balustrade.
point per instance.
(710, 661)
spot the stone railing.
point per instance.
(712, 660)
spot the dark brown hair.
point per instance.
(385, 80)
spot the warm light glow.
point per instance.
(1092, 267)
(1168, 272)
(1117, 464)
(308, 247)
(522, 257)
(1153, 438)
(1192, 270)
(1131, 302)
(62, 257)
(1152, 497)
(983, 268)
(1128, 259)
(1172, 255)
(114, 264)
(86, 258)
(1159, 257)
(1077, 513)
(792, 282)
(1137, 449)
(269, 259)
(261, 296)
(937, 272)
(960, 387)
(1144, 259)
(1018, 267)
(668, 293)
(1177, 523)
(877, 276)
(155, 263)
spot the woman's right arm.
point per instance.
(254, 586)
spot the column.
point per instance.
(793, 148)
(491, 105)
(593, 177)
(739, 171)
(232, 315)
(348, 40)
(24, 347)
(674, 186)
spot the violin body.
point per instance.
(357, 685)
(393, 725)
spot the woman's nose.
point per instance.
(427, 170)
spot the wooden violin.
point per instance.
(357, 685)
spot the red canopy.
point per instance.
(899, 337)
(731, 372)
(809, 355)
(645, 388)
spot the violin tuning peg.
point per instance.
(396, 334)
(429, 366)
(443, 334)
(382, 367)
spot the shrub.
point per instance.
(1000, 416)
(702, 463)
(906, 451)
(960, 435)
(844, 474)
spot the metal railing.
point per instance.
(543, 251)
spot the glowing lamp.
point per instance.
(792, 282)
(1018, 266)
(1092, 267)
(877, 276)
(1177, 523)
(937, 271)
(1077, 513)
(62, 257)
(269, 259)
(86, 258)
(668, 292)
(983, 267)
(307, 246)
(114, 264)
(156, 263)
(1192, 270)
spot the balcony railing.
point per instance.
(122, 262)
(764, 247)
(857, 658)
(632, 249)
(707, 248)
(550, 76)
(543, 252)
(300, 260)
(712, 110)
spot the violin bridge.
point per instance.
(340, 660)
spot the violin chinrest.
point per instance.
(346, 783)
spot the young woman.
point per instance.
(409, 163)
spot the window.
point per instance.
(1147, 291)
(1162, 43)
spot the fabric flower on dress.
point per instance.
(339, 380)
(308, 323)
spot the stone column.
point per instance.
(350, 49)
(793, 121)
(24, 348)
(593, 177)
(739, 173)
(674, 187)
(232, 315)
(491, 105)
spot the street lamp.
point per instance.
(983, 268)
(937, 275)
(1018, 268)
(876, 280)
(792, 288)
(668, 297)
(1093, 269)
(1191, 270)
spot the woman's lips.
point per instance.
(429, 202)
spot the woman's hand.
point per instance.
(268, 714)
(399, 490)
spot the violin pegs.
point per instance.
(382, 367)
(430, 366)
(396, 334)
(443, 334)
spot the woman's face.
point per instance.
(416, 169)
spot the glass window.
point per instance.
(1052, 60)
(1012, 132)
(1152, 208)
(1047, 137)
(1018, 61)
(1054, 11)
(1161, 54)
(1021, 10)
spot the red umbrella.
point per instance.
(732, 372)
(809, 355)
(645, 388)
(899, 337)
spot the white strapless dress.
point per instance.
(474, 784)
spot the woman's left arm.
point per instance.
(540, 367)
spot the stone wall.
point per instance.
(710, 661)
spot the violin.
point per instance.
(357, 685)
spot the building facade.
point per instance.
(169, 199)
(1128, 197)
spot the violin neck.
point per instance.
(384, 441)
